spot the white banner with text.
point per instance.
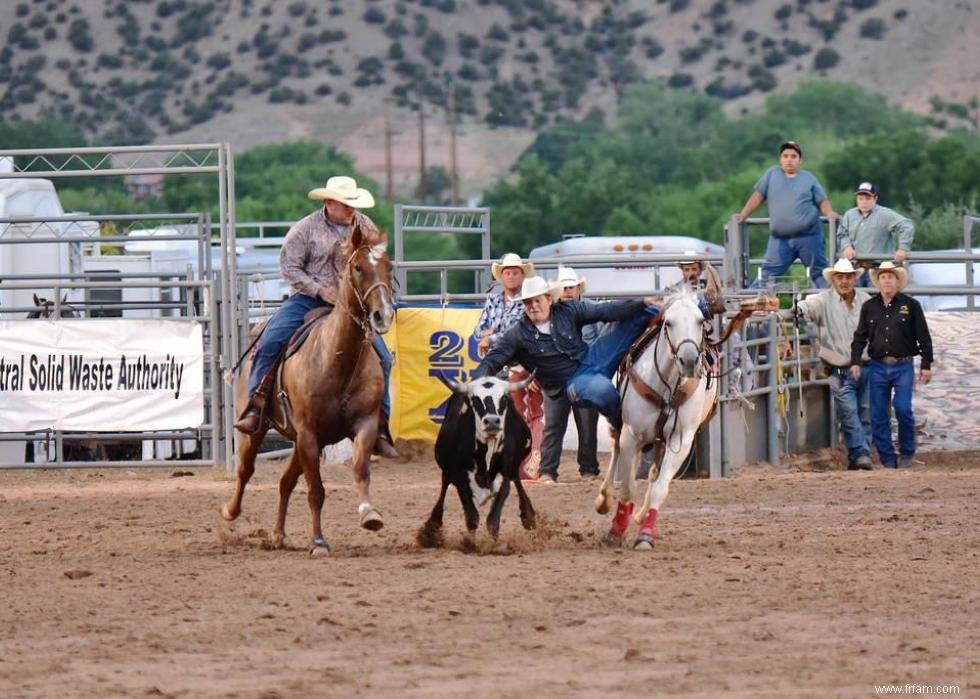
(112, 375)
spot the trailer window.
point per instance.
(96, 299)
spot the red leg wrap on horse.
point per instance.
(649, 525)
(622, 519)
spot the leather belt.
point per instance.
(889, 360)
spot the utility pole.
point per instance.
(422, 186)
(451, 117)
(388, 176)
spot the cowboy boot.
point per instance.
(251, 419)
(384, 445)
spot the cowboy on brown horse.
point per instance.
(330, 385)
(312, 264)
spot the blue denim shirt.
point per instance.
(556, 356)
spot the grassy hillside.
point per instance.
(261, 71)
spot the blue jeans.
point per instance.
(783, 252)
(281, 327)
(853, 410)
(591, 384)
(885, 379)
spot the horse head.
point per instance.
(683, 328)
(369, 274)
(45, 308)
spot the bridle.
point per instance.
(675, 348)
(361, 318)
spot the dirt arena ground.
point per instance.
(775, 583)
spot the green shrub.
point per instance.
(110, 62)
(872, 29)
(374, 15)
(79, 35)
(680, 80)
(219, 61)
(825, 59)
(395, 29)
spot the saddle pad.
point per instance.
(310, 321)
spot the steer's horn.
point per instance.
(521, 385)
(453, 386)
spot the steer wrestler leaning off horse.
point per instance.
(548, 341)
(311, 263)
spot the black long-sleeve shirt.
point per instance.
(897, 329)
(556, 356)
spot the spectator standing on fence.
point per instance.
(557, 405)
(796, 199)
(893, 327)
(835, 313)
(502, 310)
(870, 230)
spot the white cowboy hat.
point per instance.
(511, 260)
(568, 277)
(693, 259)
(898, 271)
(842, 266)
(345, 190)
(537, 286)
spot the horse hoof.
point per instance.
(611, 540)
(602, 503)
(371, 519)
(319, 547)
(529, 523)
(644, 542)
(228, 515)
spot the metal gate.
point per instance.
(196, 294)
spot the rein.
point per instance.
(678, 392)
(361, 320)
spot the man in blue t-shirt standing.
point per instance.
(796, 201)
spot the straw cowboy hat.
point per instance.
(842, 266)
(537, 286)
(691, 259)
(511, 260)
(889, 266)
(345, 190)
(569, 277)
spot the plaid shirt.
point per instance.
(500, 314)
(310, 256)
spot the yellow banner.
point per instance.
(428, 343)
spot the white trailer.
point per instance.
(627, 279)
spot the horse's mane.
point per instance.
(371, 235)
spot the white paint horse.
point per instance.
(666, 400)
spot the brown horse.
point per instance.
(334, 385)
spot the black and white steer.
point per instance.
(480, 446)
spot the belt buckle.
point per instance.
(889, 360)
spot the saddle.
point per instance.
(296, 340)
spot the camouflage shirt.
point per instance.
(311, 256)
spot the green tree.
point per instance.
(271, 183)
